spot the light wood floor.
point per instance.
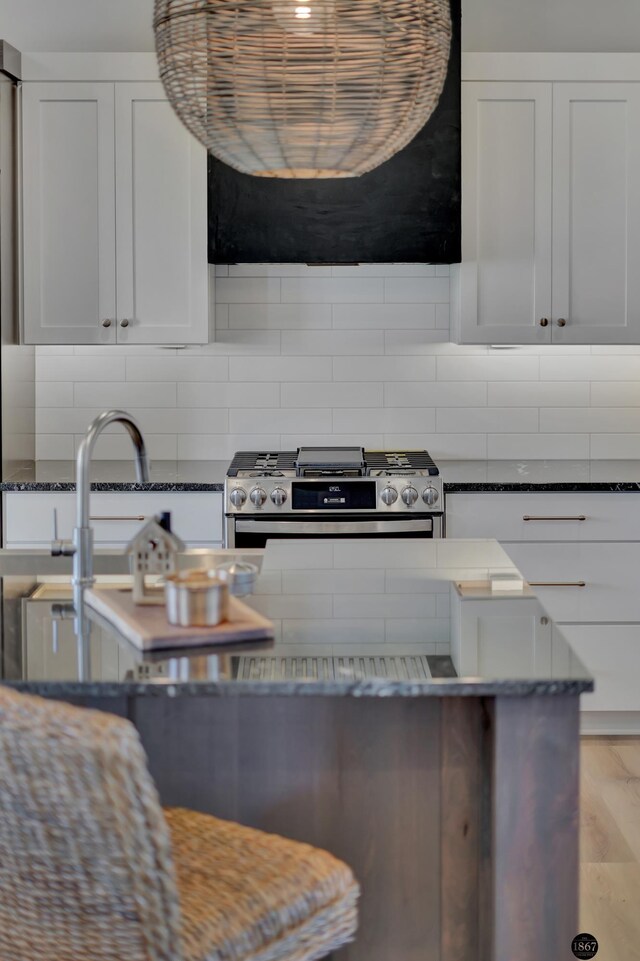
(610, 845)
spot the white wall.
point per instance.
(77, 25)
(551, 25)
(343, 355)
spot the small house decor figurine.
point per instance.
(153, 550)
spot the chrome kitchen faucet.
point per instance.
(81, 548)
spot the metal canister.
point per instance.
(196, 599)
(240, 577)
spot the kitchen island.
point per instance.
(407, 718)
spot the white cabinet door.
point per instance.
(505, 276)
(69, 213)
(500, 639)
(161, 210)
(596, 213)
(611, 653)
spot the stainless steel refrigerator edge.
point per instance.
(17, 362)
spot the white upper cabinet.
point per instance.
(115, 217)
(161, 217)
(69, 213)
(506, 211)
(596, 213)
(551, 212)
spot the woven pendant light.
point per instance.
(303, 88)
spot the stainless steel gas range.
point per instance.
(331, 492)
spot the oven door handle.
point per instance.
(332, 527)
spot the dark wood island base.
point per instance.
(458, 814)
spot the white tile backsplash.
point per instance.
(343, 355)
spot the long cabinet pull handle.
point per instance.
(554, 517)
(557, 583)
(115, 517)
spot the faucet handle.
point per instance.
(60, 548)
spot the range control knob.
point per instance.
(278, 496)
(430, 496)
(258, 496)
(389, 496)
(238, 496)
(409, 496)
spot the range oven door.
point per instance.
(244, 532)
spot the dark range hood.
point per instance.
(407, 210)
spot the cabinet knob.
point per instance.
(106, 323)
(544, 321)
(561, 322)
(124, 323)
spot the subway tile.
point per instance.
(594, 368)
(489, 367)
(201, 421)
(387, 419)
(303, 290)
(66, 420)
(384, 316)
(435, 394)
(384, 605)
(279, 270)
(597, 420)
(79, 368)
(222, 446)
(129, 394)
(247, 290)
(280, 369)
(471, 420)
(350, 554)
(384, 368)
(316, 630)
(615, 446)
(221, 270)
(54, 394)
(245, 342)
(270, 420)
(229, 395)
(317, 342)
(332, 395)
(333, 582)
(419, 635)
(54, 446)
(538, 446)
(443, 316)
(384, 270)
(615, 394)
(413, 341)
(441, 446)
(180, 368)
(416, 290)
(357, 439)
(301, 606)
(118, 446)
(279, 316)
(539, 394)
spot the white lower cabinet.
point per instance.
(115, 516)
(502, 638)
(581, 552)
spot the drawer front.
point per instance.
(116, 516)
(545, 517)
(609, 573)
(611, 653)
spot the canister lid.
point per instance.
(239, 575)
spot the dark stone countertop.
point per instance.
(385, 618)
(540, 475)
(116, 475)
(458, 475)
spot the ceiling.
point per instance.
(537, 25)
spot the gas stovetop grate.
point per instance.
(262, 462)
(399, 667)
(265, 463)
(378, 460)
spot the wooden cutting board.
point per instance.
(149, 630)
